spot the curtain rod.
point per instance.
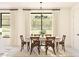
(4, 13)
(8, 9)
(41, 13)
(43, 9)
(33, 9)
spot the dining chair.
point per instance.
(63, 42)
(50, 42)
(35, 42)
(22, 42)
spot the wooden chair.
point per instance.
(22, 42)
(48, 35)
(35, 42)
(63, 42)
(50, 42)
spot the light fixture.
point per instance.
(41, 5)
(41, 8)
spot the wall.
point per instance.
(68, 23)
(75, 27)
(64, 24)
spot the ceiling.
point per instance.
(36, 5)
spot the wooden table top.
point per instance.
(43, 39)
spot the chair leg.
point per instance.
(46, 49)
(28, 46)
(22, 47)
(57, 46)
(54, 49)
(39, 49)
(63, 47)
(31, 49)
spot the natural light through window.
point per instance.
(41, 22)
(6, 25)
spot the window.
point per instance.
(36, 23)
(5, 17)
(41, 22)
(47, 23)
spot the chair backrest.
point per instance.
(50, 40)
(48, 35)
(22, 38)
(36, 34)
(34, 39)
(63, 38)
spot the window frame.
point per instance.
(41, 18)
(4, 25)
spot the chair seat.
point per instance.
(23, 42)
(61, 42)
(49, 44)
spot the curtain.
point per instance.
(27, 23)
(13, 27)
(55, 18)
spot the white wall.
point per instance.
(64, 24)
(75, 27)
